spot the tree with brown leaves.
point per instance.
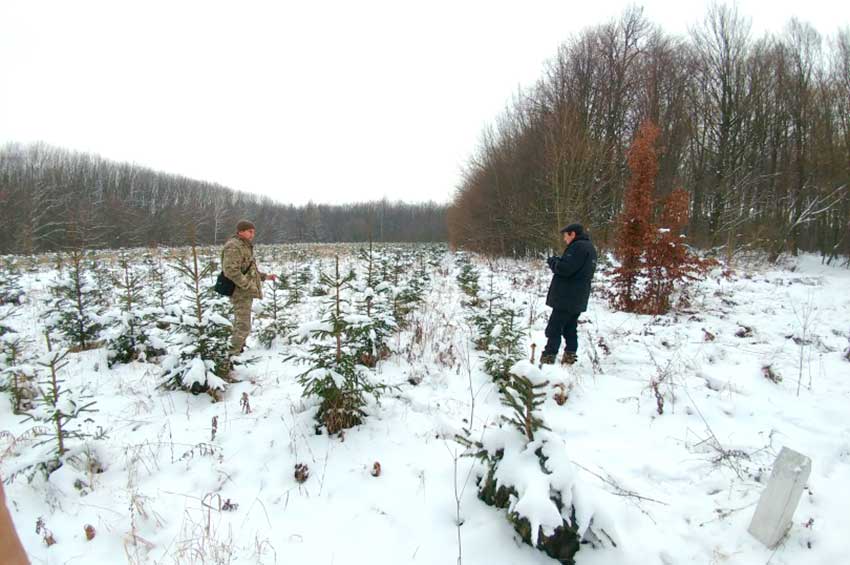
(635, 223)
(654, 258)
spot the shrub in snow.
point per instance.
(101, 274)
(484, 319)
(527, 471)
(131, 337)
(16, 377)
(435, 254)
(391, 271)
(10, 287)
(299, 281)
(157, 278)
(276, 312)
(370, 267)
(76, 305)
(503, 344)
(59, 408)
(335, 374)
(200, 335)
(19, 381)
(405, 299)
(467, 279)
(373, 320)
(370, 328)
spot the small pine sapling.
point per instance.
(298, 284)
(467, 279)
(102, 276)
(504, 345)
(58, 406)
(16, 376)
(484, 319)
(334, 372)
(131, 339)
(276, 312)
(201, 335)
(524, 398)
(370, 329)
(548, 525)
(157, 278)
(10, 286)
(404, 302)
(373, 321)
(76, 306)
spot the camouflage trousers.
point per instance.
(241, 323)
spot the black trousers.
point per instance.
(562, 323)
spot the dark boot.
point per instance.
(547, 359)
(569, 358)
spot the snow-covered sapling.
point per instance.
(76, 306)
(524, 469)
(373, 322)
(485, 319)
(300, 279)
(16, 376)
(131, 332)
(372, 326)
(101, 273)
(10, 286)
(276, 312)
(157, 277)
(467, 279)
(504, 344)
(335, 374)
(201, 361)
(58, 406)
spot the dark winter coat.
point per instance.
(573, 271)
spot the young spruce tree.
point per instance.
(10, 286)
(277, 312)
(59, 407)
(201, 362)
(335, 374)
(131, 332)
(76, 306)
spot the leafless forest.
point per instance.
(755, 129)
(52, 199)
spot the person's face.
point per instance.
(569, 236)
(247, 234)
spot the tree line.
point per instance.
(757, 130)
(53, 198)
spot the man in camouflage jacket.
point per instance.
(238, 264)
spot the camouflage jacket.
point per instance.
(238, 264)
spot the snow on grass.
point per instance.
(666, 441)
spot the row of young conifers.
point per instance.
(334, 311)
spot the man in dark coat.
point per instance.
(568, 293)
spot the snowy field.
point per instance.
(669, 431)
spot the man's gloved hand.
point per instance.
(551, 262)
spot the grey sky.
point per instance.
(323, 101)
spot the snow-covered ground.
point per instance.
(677, 487)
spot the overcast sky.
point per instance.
(323, 101)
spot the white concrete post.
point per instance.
(779, 499)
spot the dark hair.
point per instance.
(577, 229)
